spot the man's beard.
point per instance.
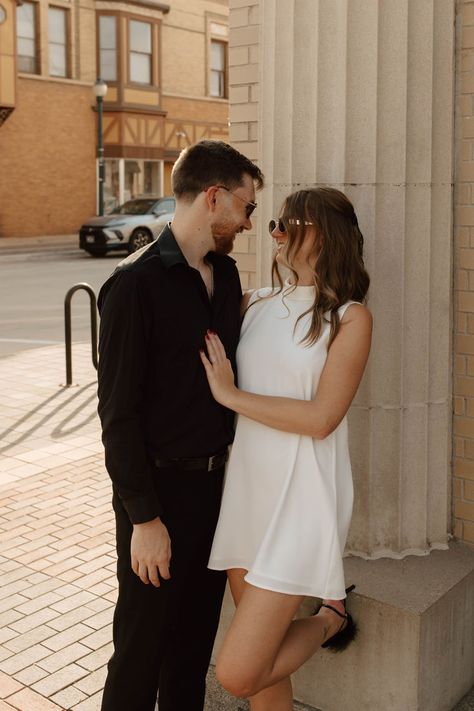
(223, 235)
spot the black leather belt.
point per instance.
(207, 463)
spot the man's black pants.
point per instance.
(163, 637)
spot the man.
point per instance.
(165, 436)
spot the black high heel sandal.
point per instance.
(347, 631)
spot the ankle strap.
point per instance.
(330, 607)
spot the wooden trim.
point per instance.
(127, 151)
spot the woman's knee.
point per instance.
(237, 679)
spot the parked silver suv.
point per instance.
(128, 227)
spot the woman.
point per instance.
(287, 501)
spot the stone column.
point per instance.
(359, 95)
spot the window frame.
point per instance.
(67, 42)
(225, 44)
(116, 17)
(153, 53)
(37, 69)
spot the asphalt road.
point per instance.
(33, 284)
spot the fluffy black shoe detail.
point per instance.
(347, 632)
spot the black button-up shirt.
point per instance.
(154, 398)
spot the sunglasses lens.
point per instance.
(249, 209)
(271, 226)
(281, 226)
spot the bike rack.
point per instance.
(67, 326)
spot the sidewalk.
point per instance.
(57, 551)
(13, 245)
(57, 555)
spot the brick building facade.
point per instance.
(166, 69)
(463, 379)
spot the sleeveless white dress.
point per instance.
(287, 500)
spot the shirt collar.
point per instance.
(171, 253)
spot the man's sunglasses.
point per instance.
(249, 206)
(281, 225)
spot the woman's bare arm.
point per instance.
(337, 387)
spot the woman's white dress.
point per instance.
(287, 499)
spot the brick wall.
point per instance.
(243, 98)
(463, 385)
(47, 160)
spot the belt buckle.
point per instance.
(210, 464)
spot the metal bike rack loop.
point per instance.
(67, 326)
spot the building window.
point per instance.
(218, 68)
(140, 52)
(57, 41)
(27, 38)
(108, 47)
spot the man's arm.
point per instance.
(124, 330)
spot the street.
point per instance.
(33, 285)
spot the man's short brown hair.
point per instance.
(209, 163)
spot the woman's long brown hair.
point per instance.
(340, 274)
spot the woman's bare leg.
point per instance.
(264, 645)
(278, 697)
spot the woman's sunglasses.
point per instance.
(281, 225)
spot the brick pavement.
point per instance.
(57, 557)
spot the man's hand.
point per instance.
(150, 551)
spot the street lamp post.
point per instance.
(100, 90)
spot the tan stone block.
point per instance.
(239, 132)
(467, 83)
(463, 194)
(463, 237)
(467, 62)
(248, 74)
(470, 317)
(468, 491)
(466, 301)
(457, 489)
(469, 448)
(463, 426)
(254, 15)
(465, 105)
(464, 510)
(254, 55)
(458, 526)
(468, 532)
(464, 468)
(467, 14)
(470, 365)
(459, 446)
(465, 258)
(469, 407)
(467, 38)
(461, 280)
(464, 214)
(460, 365)
(239, 17)
(244, 36)
(464, 344)
(467, 126)
(466, 173)
(243, 112)
(461, 323)
(240, 95)
(466, 145)
(240, 55)
(459, 406)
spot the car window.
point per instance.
(166, 205)
(134, 207)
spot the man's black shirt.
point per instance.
(154, 398)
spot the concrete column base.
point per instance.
(415, 649)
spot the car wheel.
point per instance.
(139, 238)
